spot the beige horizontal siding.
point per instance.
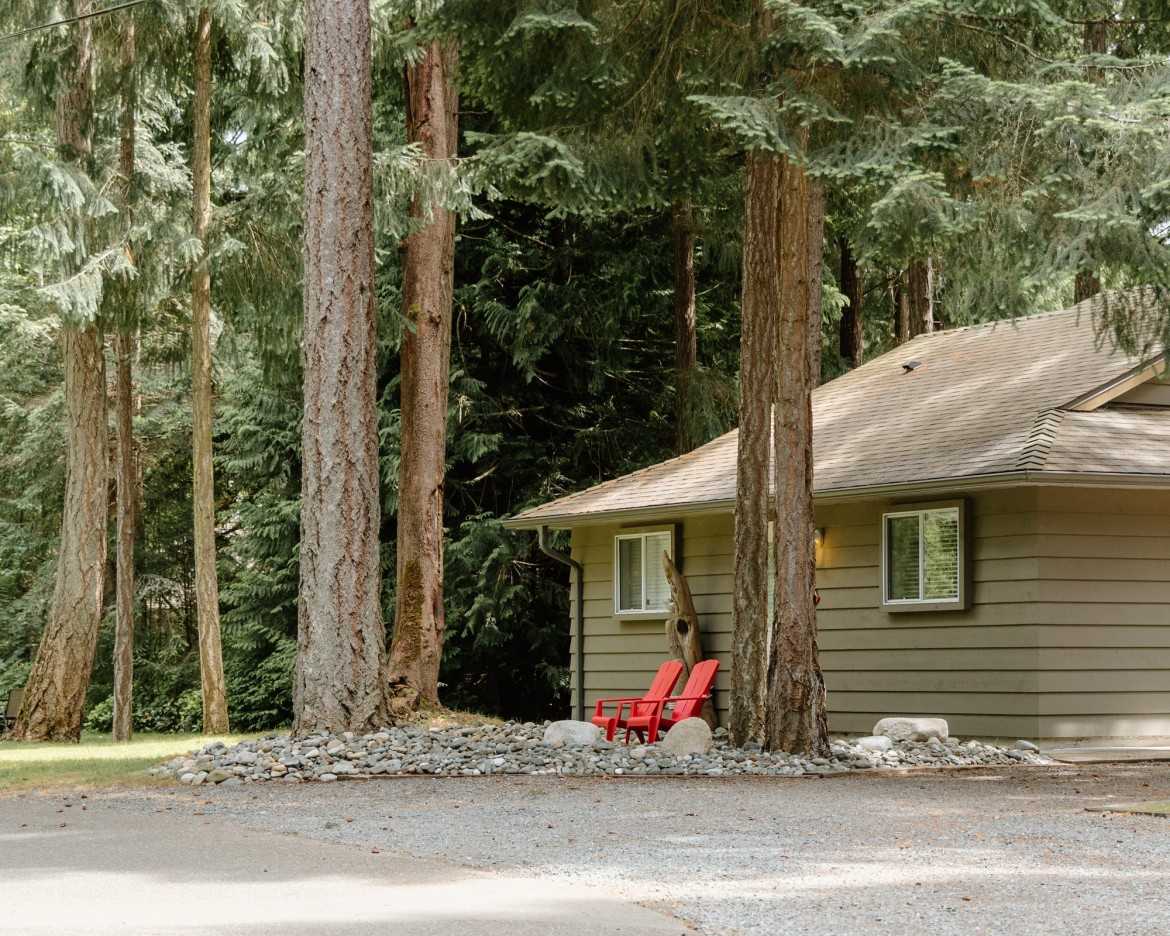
(622, 654)
(1068, 633)
(976, 668)
(1104, 639)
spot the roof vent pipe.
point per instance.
(579, 611)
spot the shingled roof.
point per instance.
(1020, 401)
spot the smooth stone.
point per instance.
(689, 736)
(572, 733)
(912, 729)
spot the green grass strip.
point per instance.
(98, 760)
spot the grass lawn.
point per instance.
(97, 760)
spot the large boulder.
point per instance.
(912, 729)
(571, 734)
(689, 736)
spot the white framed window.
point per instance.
(640, 584)
(923, 558)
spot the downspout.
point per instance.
(579, 614)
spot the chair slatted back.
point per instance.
(697, 689)
(668, 674)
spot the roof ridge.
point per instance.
(1039, 442)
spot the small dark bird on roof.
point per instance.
(908, 366)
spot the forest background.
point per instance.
(980, 160)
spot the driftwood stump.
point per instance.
(682, 630)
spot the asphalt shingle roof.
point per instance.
(984, 400)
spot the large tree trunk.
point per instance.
(902, 315)
(852, 343)
(796, 718)
(125, 349)
(682, 631)
(339, 680)
(1096, 42)
(920, 296)
(686, 347)
(761, 296)
(1086, 287)
(215, 719)
(54, 698)
(427, 287)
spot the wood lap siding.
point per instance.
(621, 656)
(1068, 633)
(975, 668)
(1104, 619)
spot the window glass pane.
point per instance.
(902, 558)
(657, 587)
(630, 574)
(940, 531)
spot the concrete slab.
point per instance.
(1149, 808)
(1108, 754)
(72, 867)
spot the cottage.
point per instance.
(993, 514)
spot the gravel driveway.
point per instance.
(1008, 850)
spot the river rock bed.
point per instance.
(515, 748)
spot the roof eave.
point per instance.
(929, 487)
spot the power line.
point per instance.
(74, 19)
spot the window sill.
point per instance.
(661, 615)
(902, 607)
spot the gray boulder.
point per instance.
(689, 736)
(912, 729)
(875, 743)
(571, 734)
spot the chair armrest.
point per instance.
(600, 702)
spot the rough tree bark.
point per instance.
(54, 698)
(852, 344)
(1096, 42)
(339, 683)
(215, 719)
(761, 294)
(920, 296)
(125, 350)
(682, 631)
(796, 718)
(686, 347)
(901, 297)
(427, 287)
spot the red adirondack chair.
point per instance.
(646, 717)
(668, 674)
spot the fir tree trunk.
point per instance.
(901, 294)
(686, 348)
(1086, 287)
(1096, 42)
(796, 719)
(920, 296)
(339, 680)
(852, 343)
(54, 699)
(215, 720)
(761, 297)
(125, 350)
(427, 287)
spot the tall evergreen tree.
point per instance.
(427, 292)
(215, 718)
(55, 695)
(339, 683)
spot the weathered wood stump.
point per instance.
(682, 630)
